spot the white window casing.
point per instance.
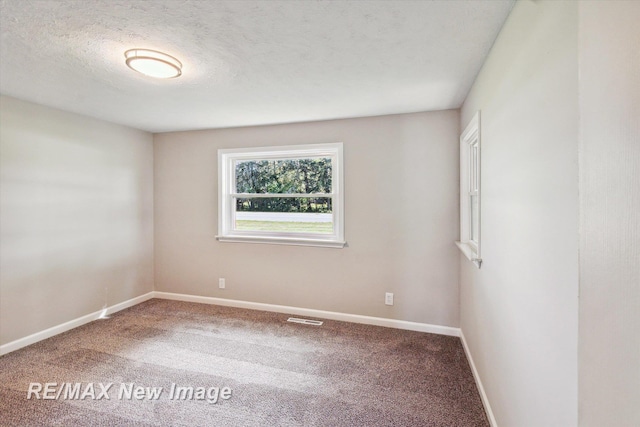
(470, 192)
(227, 160)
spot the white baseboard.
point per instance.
(331, 315)
(476, 376)
(64, 327)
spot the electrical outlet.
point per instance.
(388, 298)
(221, 283)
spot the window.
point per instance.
(282, 195)
(469, 242)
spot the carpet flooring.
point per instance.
(237, 367)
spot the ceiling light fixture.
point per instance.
(153, 63)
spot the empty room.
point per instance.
(320, 213)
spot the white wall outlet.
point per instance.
(221, 283)
(388, 298)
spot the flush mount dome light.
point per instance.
(153, 63)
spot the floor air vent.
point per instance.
(304, 321)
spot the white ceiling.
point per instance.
(246, 62)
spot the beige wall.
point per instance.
(609, 214)
(76, 216)
(401, 184)
(519, 313)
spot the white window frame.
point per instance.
(470, 175)
(227, 159)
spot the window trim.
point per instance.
(226, 192)
(470, 186)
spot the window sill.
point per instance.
(292, 241)
(470, 252)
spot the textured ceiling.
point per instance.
(246, 62)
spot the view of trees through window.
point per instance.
(282, 195)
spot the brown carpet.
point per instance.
(279, 373)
